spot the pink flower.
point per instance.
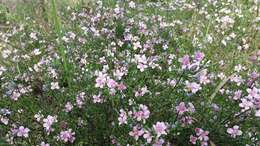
(160, 128)
(193, 139)
(181, 108)
(101, 80)
(147, 135)
(111, 83)
(142, 67)
(237, 95)
(44, 144)
(193, 87)
(80, 99)
(15, 95)
(234, 131)
(68, 107)
(253, 93)
(202, 135)
(142, 114)
(141, 62)
(121, 87)
(122, 117)
(119, 74)
(48, 122)
(97, 98)
(186, 120)
(136, 132)
(142, 91)
(204, 143)
(203, 79)
(158, 142)
(112, 91)
(185, 61)
(21, 131)
(246, 104)
(67, 136)
(199, 56)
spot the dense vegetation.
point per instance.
(122, 73)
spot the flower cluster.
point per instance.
(117, 74)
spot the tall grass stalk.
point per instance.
(58, 30)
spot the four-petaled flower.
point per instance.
(234, 131)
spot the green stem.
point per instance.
(58, 30)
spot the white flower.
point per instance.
(55, 85)
(257, 113)
(131, 4)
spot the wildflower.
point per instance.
(131, 4)
(55, 85)
(143, 113)
(187, 120)
(226, 21)
(237, 79)
(193, 87)
(199, 56)
(203, 78)
(142, 91)
(234, 131)
(16, 94)
(136, 132)
(253, 93)
(141, 62)
(121, 87)
(257, 113)
(22, 132)
(191, 107)
(111, 83)
(158, 142)
(48, 122)
(3, 120)
(2, 69)
(246, 104)
(67, 136)
(38, 116)
(137, 45)
(202, 136)
(160, 128)
(122, 117)
(33, 35)
(97, 98)
(80, 99)
(36, 52)
(181, 108)
(68, 107)
(237, 95)
(44, 144)
(147, 135)
(193, 139)
(101, 80)
(119, 74)
(171, 82)
(185, 61)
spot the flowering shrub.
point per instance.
(116, 76)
